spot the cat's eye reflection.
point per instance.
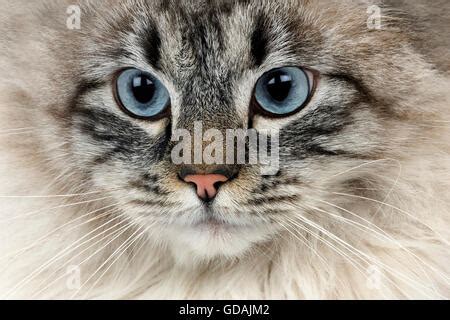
(284, 91)
(141, 95)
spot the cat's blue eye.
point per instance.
(283, 91)
(141, 95)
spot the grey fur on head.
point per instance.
(360, 164)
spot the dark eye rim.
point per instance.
(165, 113)
(256, 108)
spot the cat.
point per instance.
(93, 207)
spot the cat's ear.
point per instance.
(428, 23)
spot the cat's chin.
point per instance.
(210, 239)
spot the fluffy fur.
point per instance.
(359, 209)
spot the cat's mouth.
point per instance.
(209, 219)
(216, 232)
(215, 224)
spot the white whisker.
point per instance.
(121, 226)
(397, 209)
(382, 234)
(120, 251)
(411, 282)
(60, 255)
(46, 236)
(40, 211)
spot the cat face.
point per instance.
(208, 58)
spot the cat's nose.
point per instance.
(207, 184)
(208, 180)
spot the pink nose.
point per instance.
(207, 184)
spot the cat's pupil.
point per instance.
(279, 86)
(143, 89)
